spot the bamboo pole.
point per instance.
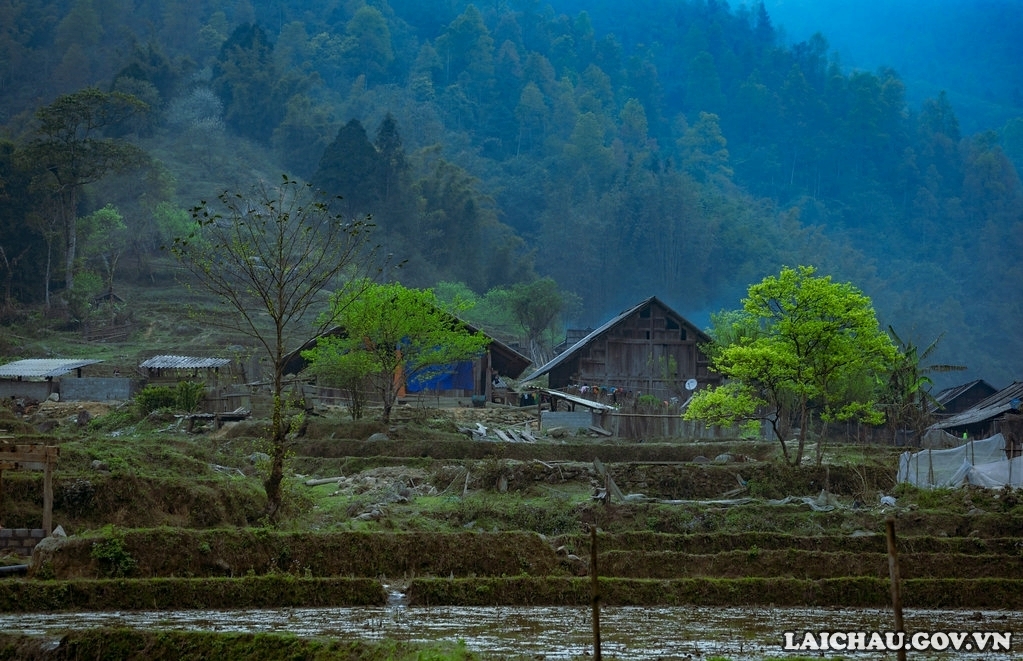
(893, 572)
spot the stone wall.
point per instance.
(20, 541)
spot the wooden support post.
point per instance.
(893, 572)
(33, 457)
(595, 593)
(48, 499)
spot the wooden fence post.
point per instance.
(893, 573)
(595, 593)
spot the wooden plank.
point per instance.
(503, 436)
(24, 465)
(29, 454)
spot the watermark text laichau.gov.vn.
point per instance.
(851, 641)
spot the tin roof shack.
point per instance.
(38, 378)
(998, 413)
(163, 369)
(168, 370)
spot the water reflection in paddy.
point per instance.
(556, 632)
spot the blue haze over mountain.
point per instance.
(972, 49)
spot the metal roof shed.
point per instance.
(166, 367)
(44, 368)
(183, 363)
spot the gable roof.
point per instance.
(948, 395)
(987, 409)
(604, 328)
(39, 368)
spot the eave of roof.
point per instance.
(183, 362)
(38, 368)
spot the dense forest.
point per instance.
(679, 148)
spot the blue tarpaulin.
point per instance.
(453, 377)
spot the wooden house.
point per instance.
(648, 349)
(955, 400)
(1001, 412)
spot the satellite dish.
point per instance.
(691, 384)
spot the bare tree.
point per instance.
(269, 256)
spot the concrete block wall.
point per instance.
(20, 541)
(96, 389)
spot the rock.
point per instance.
(44, 552)
(99, 465)
(379, 436)
(54, 397)
(58, 532)
(257, 457)
(700, 459)
(888, 501)
(723, 458)
(83, 418)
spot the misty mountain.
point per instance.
(969, 48)
(682, 149)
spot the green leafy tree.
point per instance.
(70, 152)
(802, 343)
(392, 335)
(907, 399)
(105, 240)
(538, 306)
(269, 256)
(351, 169)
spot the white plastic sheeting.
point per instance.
(982, 463)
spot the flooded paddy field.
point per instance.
(628, 633)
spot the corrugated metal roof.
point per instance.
(575, 399)
(578, 346)
(183, 362)
(993, 406)
(38, 368)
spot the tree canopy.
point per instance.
(390, 335)
(801, 344)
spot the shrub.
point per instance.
(185, 397)
(189, 395)
(153, 398)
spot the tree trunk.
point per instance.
(71, 233)
(272, 485)
(803, 415)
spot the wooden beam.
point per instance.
(35, 456)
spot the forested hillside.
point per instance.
(674, 148)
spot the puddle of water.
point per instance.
(627, 633)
